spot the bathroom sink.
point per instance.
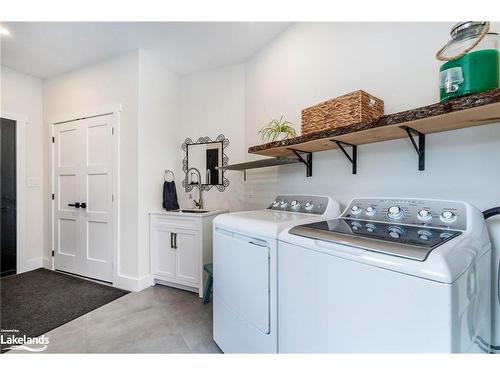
(192, 211)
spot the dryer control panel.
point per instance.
(426, 213)
(306, 204)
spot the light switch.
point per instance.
(33, 182)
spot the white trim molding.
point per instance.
(89, 112)
(134, 284)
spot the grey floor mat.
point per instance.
(38, 301)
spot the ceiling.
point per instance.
(45, 49)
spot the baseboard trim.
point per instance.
(47, 263)
(175, 285)
(30, 265)
(145, 282)
(133, 284)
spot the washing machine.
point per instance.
(389, 275)
(245, 270)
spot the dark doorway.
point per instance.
(212, 163)
(8, 197)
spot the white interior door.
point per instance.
(83, 209)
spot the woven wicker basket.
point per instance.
(348, 109)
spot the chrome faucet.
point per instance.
(209, 177)
(198, 204)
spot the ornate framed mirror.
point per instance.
(205, 156)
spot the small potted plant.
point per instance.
(277, 130)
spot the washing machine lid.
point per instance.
(263, 223)
(399, 240)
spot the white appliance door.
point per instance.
(328, 304)
(83, 168)
(242, 276)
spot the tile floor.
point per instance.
(156, 320)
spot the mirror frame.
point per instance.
(204, 140)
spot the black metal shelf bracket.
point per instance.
(354, 158)
(420, 148)
(308, 161)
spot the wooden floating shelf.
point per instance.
(269, 162)
(464, 112)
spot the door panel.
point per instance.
(97, 194)
(187, 255)
(96, 201)
(83, 173)
(96, 241)
(67, 230)
(97, 144)
(164, 256)
(67, 192)
(242, 277)
(68, 238)
(68, 152)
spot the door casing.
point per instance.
(114, 111)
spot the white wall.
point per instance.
(213, 103)
(158, 143)
(309, 63)
(21, 94)
(108, 83)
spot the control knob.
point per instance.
(424, 234)
(309, 206)
(395, 212)
(283, 204)
(370, 211)
(445, 235)
(370, 227)
(424, 215)
(355, 210)
(295, 204)
(355, 225)
(448, 216)
(395, 232)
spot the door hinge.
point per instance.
(53, 140)
(112, 131)
(53, 196)
(52, 252)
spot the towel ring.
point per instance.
(166, 175)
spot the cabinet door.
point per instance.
(186, 242)
(163, 254)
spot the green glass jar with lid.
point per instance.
(472, 61)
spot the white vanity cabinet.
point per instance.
(180, 245)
